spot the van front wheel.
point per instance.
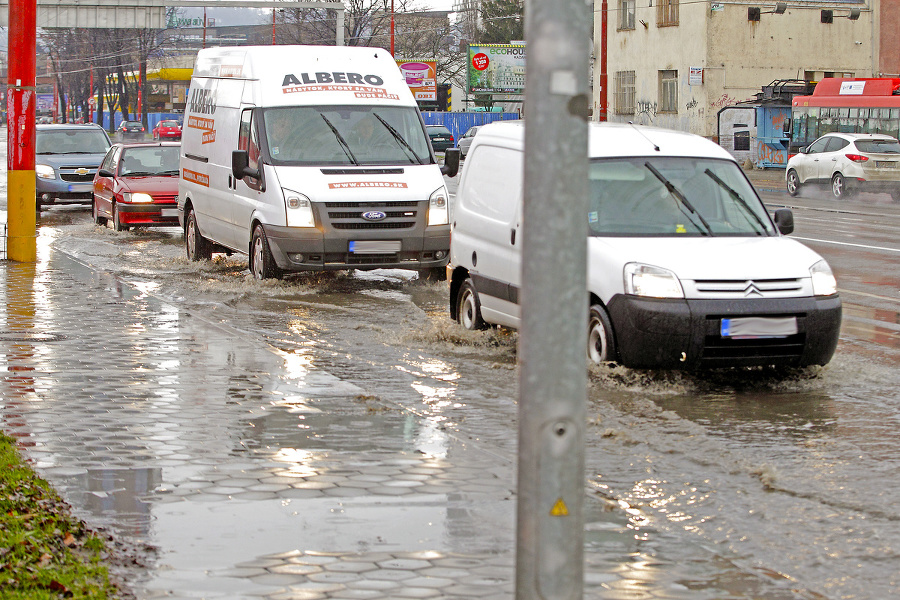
(197, 246)
(468, 312)
(262, 263)
(601, 341)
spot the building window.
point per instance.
(624, 92)
(741, 141)
(668, 91)
(626, 14)
(666, 13)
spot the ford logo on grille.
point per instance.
(373, 215)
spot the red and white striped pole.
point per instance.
(21, 241)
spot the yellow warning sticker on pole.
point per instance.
(559, 509)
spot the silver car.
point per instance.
(465, 140)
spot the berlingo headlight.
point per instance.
(299, 209)
(44, 171)
(438, 209)
(823, 281)
(651, 282)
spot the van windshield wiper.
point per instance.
(739, 199)
(397, 136)
(343, 143)
(678, 196)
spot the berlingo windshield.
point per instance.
(673, 196)
(345, 135)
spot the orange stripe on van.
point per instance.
(195, 177)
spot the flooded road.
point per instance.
(788, 475)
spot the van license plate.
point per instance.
(758, 327)
(375, 247)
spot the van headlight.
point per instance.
(438, 211)
(299, 209)
(139, 197)
(823, 281)
(651, 282)
(44, 171)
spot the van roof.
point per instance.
(255, 62)
(616, 139)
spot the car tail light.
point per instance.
(857, 158)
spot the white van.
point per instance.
(686, 269)
(310, 158)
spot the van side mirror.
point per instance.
(240, 165)
(784, 220)
(451, 162)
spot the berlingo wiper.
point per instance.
(397, 136)
(739, 199)
(343, 143)
(679, 196)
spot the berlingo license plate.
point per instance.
(757, 327)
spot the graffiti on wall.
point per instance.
(724, 100)
(692, 104)
(770, 154)
(648, 109)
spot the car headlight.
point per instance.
(823, 281)
(299, 209)
(137, 198)
(44, 171)
(652, 282)
(438, 211)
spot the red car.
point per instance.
(137, 186)
(167, 130)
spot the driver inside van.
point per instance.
(283, 133)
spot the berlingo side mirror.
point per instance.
(784, 220)
(451, 162)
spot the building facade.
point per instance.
(678, 63)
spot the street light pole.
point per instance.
(273, 26)
(392, 27)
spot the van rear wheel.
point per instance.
(601, 340)
(468, 311)
(262, 263)
(196, 246)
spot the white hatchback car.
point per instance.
(847, 162)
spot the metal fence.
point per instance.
(459, 122)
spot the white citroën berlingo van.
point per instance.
(686, 269)
(310, 158)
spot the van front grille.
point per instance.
(748, 288)
(718, 350)
(367, 225)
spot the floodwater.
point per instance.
(791, 475)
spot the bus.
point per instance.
(846, 105)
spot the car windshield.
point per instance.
(673, 196)
(876, 146)
(150, 160)
(84, 140)
(345, 135)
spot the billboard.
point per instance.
(421, 77)
(497, 69)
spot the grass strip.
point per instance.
(45, 553)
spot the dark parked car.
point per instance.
(441, 138)
(66, 159)
(137, 185)
(131, 130)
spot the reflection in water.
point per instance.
(876, 325)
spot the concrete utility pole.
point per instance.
(21, 242)
(553, 336)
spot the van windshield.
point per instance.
(345, 135)
(673, 196)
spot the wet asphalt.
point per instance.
(238, 470)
